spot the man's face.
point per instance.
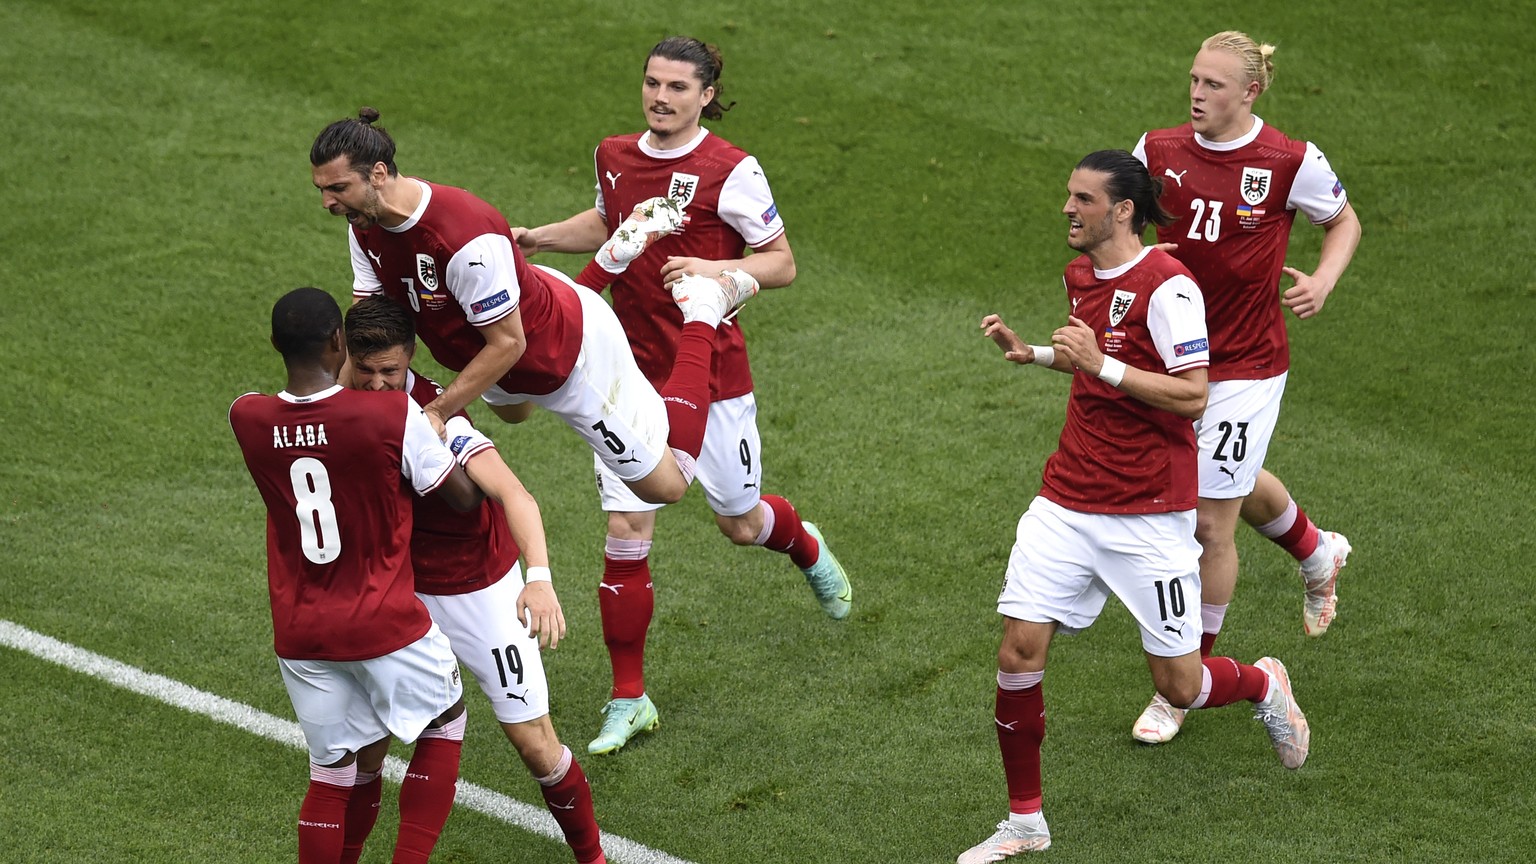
(1090, 216)
(345, 192)
(381, 370)
(1220, 96)
(672, 97)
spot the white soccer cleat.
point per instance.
(701, 299)
(1159, 723)
(1010, 839)
(1282, 717)
(650, 221)
(740, 286)
(1322, 598)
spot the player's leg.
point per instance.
(504, 659)
(363, 804)
(731, 472)
(1320, 555)
(335, 712)
(1049, 586)
(1192, 682)
(625, 602)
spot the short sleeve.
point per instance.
(1140, 151)
(1317, 191)
(1176, 321)
(424, 461)
(747, 205)
(464, 440)
(364, 281)
(482, 277)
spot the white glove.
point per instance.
(651, 220)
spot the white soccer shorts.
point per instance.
(345, 705)
(1065, 564)
(485, 633)
(1239, 420)
(730, 467)
(606, 399)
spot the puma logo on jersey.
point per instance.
(377, 262)
(1177, 178)
(613, 179)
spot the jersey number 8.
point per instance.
(318, 535)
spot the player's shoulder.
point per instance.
(1171, 136)
(423, 389)
(1079, 270)
(247, 404)
(1166, 265)
(1273, 139)
(627, 141)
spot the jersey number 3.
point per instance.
(318, 535)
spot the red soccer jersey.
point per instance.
(453, 263)
(454, 552)
(1233, 205)
(336, 471)
(728, 207)
(1118, 454)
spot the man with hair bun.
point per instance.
(514, 332)
(733, 231)
(1234, 185)
(1116, 510)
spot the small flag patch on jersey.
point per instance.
(498, 299)
(1112, 333)
(1249, 210)
(1193, 346)
(1338, 188)
(771, 213)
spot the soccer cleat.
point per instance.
(740, 286)
(1010, 839)
(626, 718)
(650, 221)
(701, 299)
(1322, 598)
(828, 579)
(1281, 715)
(1159, 723)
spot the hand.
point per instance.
(525, 240)
(1307, 296)
(1013, 347)
(1077, 343)
(677, 267)
(538, 609)
(438, 424)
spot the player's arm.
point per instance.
(505, 343)
(1183, 393)
(537, 606)
(1341, 236)
(772, 265)
(431, 467)
(584, 232)
(1017, 350)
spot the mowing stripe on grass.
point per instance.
(494, 804)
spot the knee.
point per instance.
(737, 529)
(1181, 691)
(536, 744)
(1013, 657)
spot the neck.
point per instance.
(309, 380)
(1115, 252)
(400, 197)
(675, 140)
(1239, 127)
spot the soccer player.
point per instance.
(359, 654)
(730, 210)
(1116, 512)
(468, 575)
(518, 335)
(1234, 185)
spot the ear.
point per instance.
(1125, 210)
(708, 94)
(378, 174)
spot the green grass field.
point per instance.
(154, 164)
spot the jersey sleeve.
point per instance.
(464, 440)
(597, 186)
(1140, 151)
(1176, 321)
(424, 460)
(1317, 191)
(364, 281)
(482, 277)
(746, 204)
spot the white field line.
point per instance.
(478, 798)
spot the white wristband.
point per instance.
(1045, 355)
(1112, 372)
(536, 574)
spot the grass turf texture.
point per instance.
(158, 201)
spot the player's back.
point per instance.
(329, 468)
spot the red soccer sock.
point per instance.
(626, 601)
(426, 794)
(569, 798)
(1293, 532)
(784, 532)
(686, 392)
(321, 818)
(1020, 729)
(1228, 681)
(362, 813)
